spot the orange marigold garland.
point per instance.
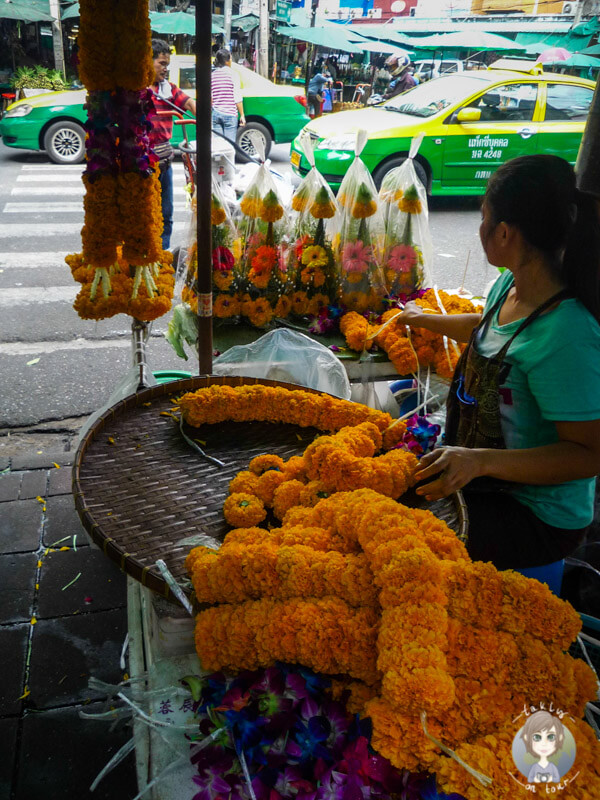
(123, 219)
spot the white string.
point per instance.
(483, 779)
(122, 753)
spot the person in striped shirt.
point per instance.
(165, 96)
(226, 97)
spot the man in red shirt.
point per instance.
(162, 128)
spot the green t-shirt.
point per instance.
(552, 375)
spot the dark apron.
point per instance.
(473, 407)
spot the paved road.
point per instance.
(78, 362)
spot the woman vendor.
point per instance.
(523, 412)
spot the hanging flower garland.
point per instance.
(122, 267)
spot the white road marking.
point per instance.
(33, 260)
(53, 167)
(65, 191)
(9, 298)
(72, 178)
(44, 348)
(31, 230)
(52, 208)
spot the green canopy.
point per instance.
(24, 12)
(332, 37)
(241, 22)
(467, 40)
(176, 22)
(577, 60)
(570, 41)
(594, 50)
(71, 12)
(371, 45)
(387, 33)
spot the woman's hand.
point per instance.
(454, 466)
(242, 122)
(411, 314)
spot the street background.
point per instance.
(57, 368)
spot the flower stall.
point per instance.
(346, 645)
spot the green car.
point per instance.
(472, 122)
(54, 122)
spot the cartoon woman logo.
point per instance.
(543, 749)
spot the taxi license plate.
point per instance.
(295, 158)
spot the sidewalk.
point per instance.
(62, 619)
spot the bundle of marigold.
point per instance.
(312, 261)
(123, 266)
(264, 276)
(409, 349)
(359, 239)
(408, 252)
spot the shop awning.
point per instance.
(240, 22)
(575, 42)
(372, 45)
(332, 37)
(467, 40)
(24, 12)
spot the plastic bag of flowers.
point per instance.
(408, 251)
(265, 230)
(359, 240)
(226, 274)
(311, 258)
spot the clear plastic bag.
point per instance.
(408, 252)
(359, 240)
(265, 230)
(311, 259)
(284, 355)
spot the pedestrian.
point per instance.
(226, 97)
(523, 412)
(165, 96)
(314, 95)
(402, 80)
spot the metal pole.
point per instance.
(227, 22)
(57, 39)
(202, 49)
(263, 39)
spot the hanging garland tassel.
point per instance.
(122, 250)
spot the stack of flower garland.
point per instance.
(408, 350)
(342, 461)
(443, 642)
(408, 249)
(312, 259)
(123, 268)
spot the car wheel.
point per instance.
(65, 142)
(244, 141)
(382, 171)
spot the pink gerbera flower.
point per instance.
(356, 257)
(402, 258)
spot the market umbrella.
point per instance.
(554, 54)
(25, 13)
(372, 46)
(576, 60)
(176, 22)
(71, 12)
(332, 37)
(467, 40)
(594, 50)
(535, 48)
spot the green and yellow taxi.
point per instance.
(54, 122)
(472, 123)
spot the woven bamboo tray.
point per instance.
(140, 489)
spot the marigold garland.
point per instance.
(244, 510)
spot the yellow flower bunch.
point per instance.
(217, 212)
(275, 404)
(364, 205)
(301, 197)
(251, 203)
(270, 210)
(322, 207)
(324, 634)
(409, 201)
